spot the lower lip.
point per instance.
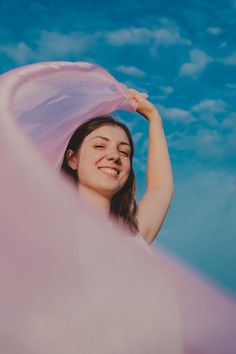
(106, 174)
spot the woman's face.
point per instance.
(103, 160)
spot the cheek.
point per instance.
(87, 167)
(126, 171)
(127, 165)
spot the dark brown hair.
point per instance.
(123, 203)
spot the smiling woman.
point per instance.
(99, 159)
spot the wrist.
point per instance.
(153, 116)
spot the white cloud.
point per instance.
(205, 143)
(230, 145)
(130, 70)
(215, 106)
(50, 46)
(196, 65)
(167, 89)
(137, 137)
(223, 45)
(207, 109)
(139, 165)
(214, 30)
(54, 44)
(169, 36)
(20, 52)
(230, 60)
(176, 115)
(131, 35)
(166, 36)
(230, 123)
(231, 86)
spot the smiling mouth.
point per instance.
(109, 171)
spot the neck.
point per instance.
(99, 201)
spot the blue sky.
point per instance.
(183, 54)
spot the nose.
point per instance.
(113, 154)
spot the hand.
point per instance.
(145, 107)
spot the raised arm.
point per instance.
(156, 200)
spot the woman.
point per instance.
(99, 159)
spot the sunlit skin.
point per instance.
(107, 146)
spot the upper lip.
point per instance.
(113, 167)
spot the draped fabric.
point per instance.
(70, 282)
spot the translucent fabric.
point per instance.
(70, 280)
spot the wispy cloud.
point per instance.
(20, 53)
(130, 70)
(60, 45)
(176, 115)
(169, 36)
(49, 45)
(56, 45)
(230, 60)
(124, 36)
(196, 65)
(205, 144)
(137, 137)
(139, 165)
(167, 89)
(231, 86)
(214, 106)
(207, 109)
(161, 36)
(223, 45)
(214, 30)
(208, 144)
(165, 92)
(229, 123)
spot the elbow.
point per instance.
(170, 192)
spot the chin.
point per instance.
(109, 193)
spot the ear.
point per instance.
(71, 159)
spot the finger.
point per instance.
(133, 91)
(137, 94)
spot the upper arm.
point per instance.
(151, 213)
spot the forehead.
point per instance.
(111, 132)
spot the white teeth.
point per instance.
(109, 171)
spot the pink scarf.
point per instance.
(69, 282)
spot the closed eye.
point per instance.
(102, 146)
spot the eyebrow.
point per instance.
(107, 139)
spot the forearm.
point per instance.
(159, 171)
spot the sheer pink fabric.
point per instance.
(70, 281)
